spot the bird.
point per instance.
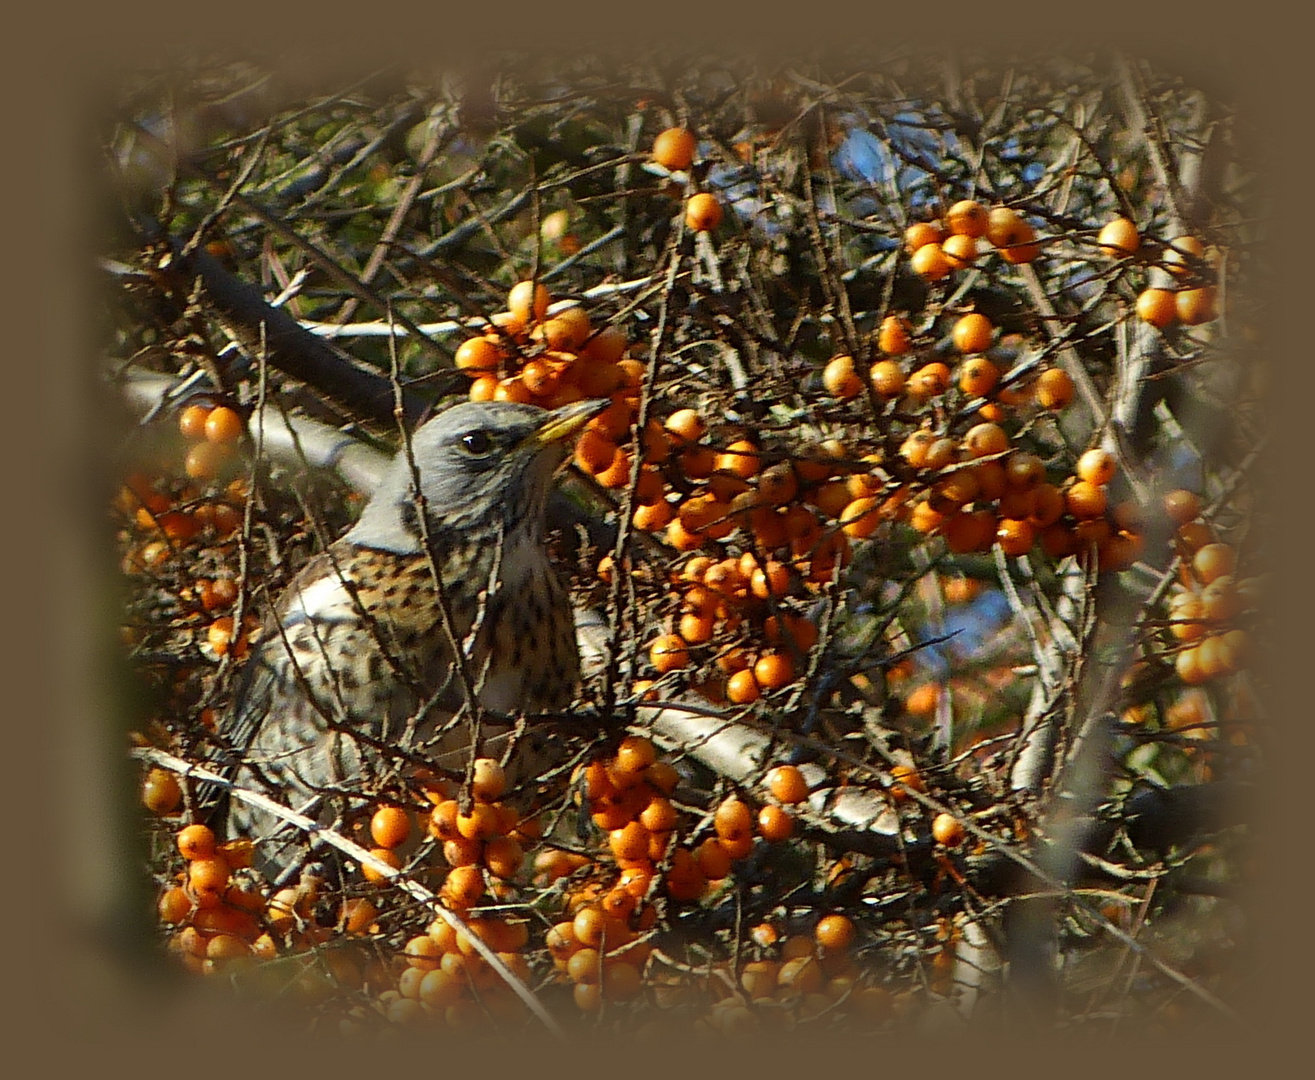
(354, 671)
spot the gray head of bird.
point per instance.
(481, 465)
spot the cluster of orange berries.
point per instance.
(527, 356)
(774, 513)
(788, 979)
(169, 517)
(1190, 306)
(978, 376)
(977, 491)
(629, 798)
(213, 434)
(444, 971)
(167, 521)
(733, 596)
(489, 836)
(219, 920)
(936, 251)
(1207, 599)
(600, 946)
(673, 149)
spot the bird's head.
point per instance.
(481, 464)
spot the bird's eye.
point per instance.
(477, 442)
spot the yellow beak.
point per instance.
(564, 422)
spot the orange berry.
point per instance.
(509, 323)
(674, 149)
(929, 381)
(771, 580)
(947, 830)
(894, 338)
(174, 905)
(1054, 389)
(1047, 505)
(489, 779)
(528, 302)
(1196, 306)
(207, 459)
(925, 518)
(481, 821)
(1194, 535)
(476, 355)
(659, 816)
(697, 462)
(514, 390)
(1096, 467)
(834, 932)
(972, 333)
(966, 218)
(1214, 561)
(464, 886)
(905, 777)
(654, 517)
(711, 858)
(960, 251)
(1011, 234)
(1182, 506)
(209, 875)
(800, 976)
(887, 378)
(191, 421)
(617, 474)
(1157, 307)
(390, 826)
(386, 856)
(1176, 258)
(930, 262)
(787, 784)
(1188, 666)
(742, 688)
(568, 330)
(983, 440)
(775, 824)
(483, 388)
(1119, 238)
(634, 754)
(920, 234)
(840, 379)
(621, 981)
(741, 458)
(686, 426)
(1023, 470)
(223, 425)
(668, 653)
(978, 376)
(798, 629)
(703, 213)
(1085, 500)
(629, 844)
(968, 532)
(774, 670)
(1015, 536)
(922, 700)
(196, 842)
(608, 346)
(685, 880)
(161, 792)
(733, 819)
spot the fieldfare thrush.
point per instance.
(355, 659)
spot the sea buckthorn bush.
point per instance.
(929, 397)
